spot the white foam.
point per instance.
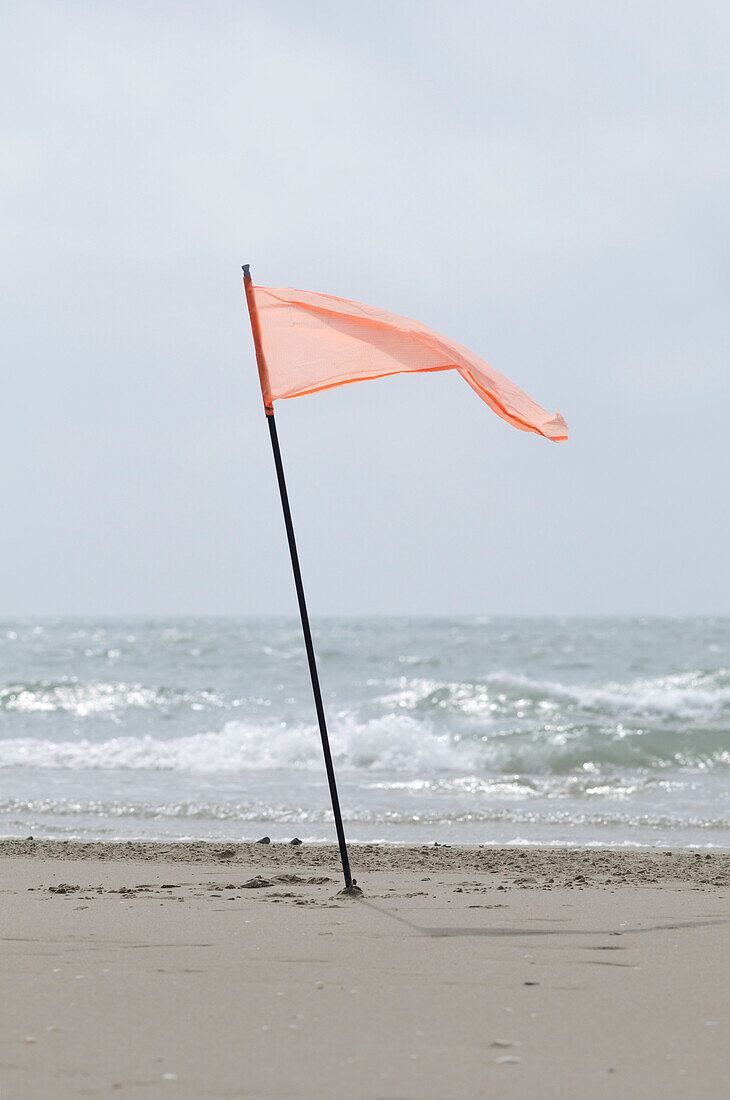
(689, 694)
(394, 743)
(85, 700)
(390, 743)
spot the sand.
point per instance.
(215, 970)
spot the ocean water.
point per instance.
(489, 731)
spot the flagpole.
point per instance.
(351, 886)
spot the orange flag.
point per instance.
(307, 342)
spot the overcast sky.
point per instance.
(547, 184)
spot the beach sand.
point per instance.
(227, 970)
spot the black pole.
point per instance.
(351, 886)
(310, 653)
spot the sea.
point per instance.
(493, 731)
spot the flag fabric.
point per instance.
(312, 342)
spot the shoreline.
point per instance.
(549, 866)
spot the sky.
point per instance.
(547, 184)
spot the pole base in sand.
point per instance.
(351, 891)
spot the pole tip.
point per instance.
(246, 271)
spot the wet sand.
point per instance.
(217, 970)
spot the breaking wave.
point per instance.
(502, 724)
(687, 695)
(393, 743)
